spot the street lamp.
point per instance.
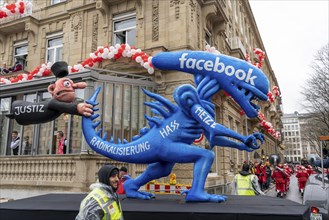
(322, 138)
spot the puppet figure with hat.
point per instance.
(63, 101)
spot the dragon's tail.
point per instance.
(126, 152)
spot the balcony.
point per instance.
(236, 43)
(17, 23)
(215, 12)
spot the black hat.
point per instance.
(106, 172)
(59, 69)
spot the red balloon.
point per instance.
(20, 77)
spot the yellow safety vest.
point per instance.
(244, 185)
(112, 210)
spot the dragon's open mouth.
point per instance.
(251, 96)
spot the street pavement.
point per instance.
(293, 193)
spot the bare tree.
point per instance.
(316, 98)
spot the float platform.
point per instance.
(163, 207)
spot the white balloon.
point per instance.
(111, 55)
(106, 50)
(117, 46)
(150, 70)
(133, 51)
(146, 65)
(138, 59)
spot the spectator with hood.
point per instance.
(102, 203)
(245, 183)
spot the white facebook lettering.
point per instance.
(218, 67)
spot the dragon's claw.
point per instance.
(251, 140)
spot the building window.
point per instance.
(20, 54)
(54, 2)
(54, 48)
(124, 29)
(207, 37)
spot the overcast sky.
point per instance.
(292, 32)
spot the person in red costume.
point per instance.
(62, 143)
(280, 180)
(302, 176)
(289, 172)
(122, 178)
(262, 176)
(309, 170)
(63, 101)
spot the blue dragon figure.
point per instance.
(174, 127)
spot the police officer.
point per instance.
(102, 202)
(245, 183)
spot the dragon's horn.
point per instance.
(171, 107)
(207, 87)
(158, 108)
(157, 121)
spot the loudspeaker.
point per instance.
(274, 159)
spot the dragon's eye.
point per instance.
(67, 83)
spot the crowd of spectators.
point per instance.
(5, 70)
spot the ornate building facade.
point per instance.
(70, 30)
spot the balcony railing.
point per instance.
(15, 17)
(53, 173)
